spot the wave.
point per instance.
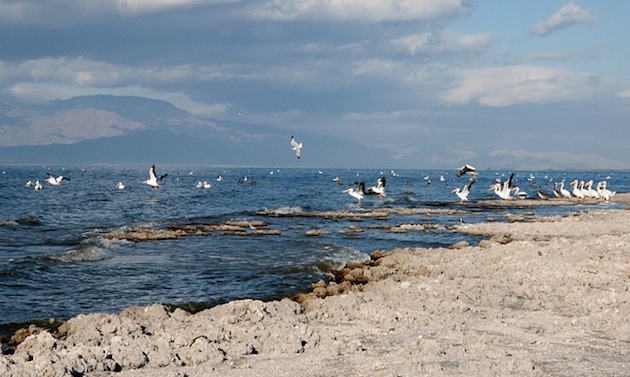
(90, 250)
(28, 221)
(335, 258)
(280, 211)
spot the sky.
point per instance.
(437, 83)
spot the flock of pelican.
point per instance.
(505, 190)
(360, 191)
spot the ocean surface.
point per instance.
(55, 262)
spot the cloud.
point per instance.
(83, 71)
(525, 159)
(59, 13)
(136, 7)
(357, 10)
(568, 15)
(505, 86)
(431, 43)
(47, 91)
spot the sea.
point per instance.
(55, 262)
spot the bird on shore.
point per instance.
(588, 186)
(356, 193)
(519, 193)
(154, 180)
(297, 147)
(604, 193)
(564, 192)
(463, 193)
(576, 191)
(467, 169)
(541, 194)
(379, 189)
(503, 190)
(56, 181)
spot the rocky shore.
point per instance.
(540, 296)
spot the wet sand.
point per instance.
(538, 296)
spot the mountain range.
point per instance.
(112, 129)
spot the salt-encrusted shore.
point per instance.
(545, 296)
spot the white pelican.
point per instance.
(604, 193)
(38, 186)
(576, 191)
(154, 180)
(358, 193)
(518, 193)
(590, 190)
(564, 192)
(219, 179)
(503, 189)
(297, 147)
(29, 184)
(203, 184)
(379, 189)
(467, 169)
(120, 186)
(56, 181)
(463, 193)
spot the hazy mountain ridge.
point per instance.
(110, 129)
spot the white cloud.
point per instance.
(444, 43)
(134, 7)
(47, 91)
(568, 15)
(504, 86)
(83, 71)
(357, 10)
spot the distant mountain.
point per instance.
(110, 129)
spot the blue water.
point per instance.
(54, 262)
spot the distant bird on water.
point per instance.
(379, 189)
(56, 181)
(357, 193)
(154, 180)
(297, 147)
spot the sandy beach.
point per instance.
(541, 296)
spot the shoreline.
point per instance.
(539, 297)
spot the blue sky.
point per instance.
(515, 84)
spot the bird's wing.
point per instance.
(152, 173)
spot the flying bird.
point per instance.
(467, 169)
(154, 180)
(463, 193)
(56, 181)
(297, 147)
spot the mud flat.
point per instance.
(546, 296)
